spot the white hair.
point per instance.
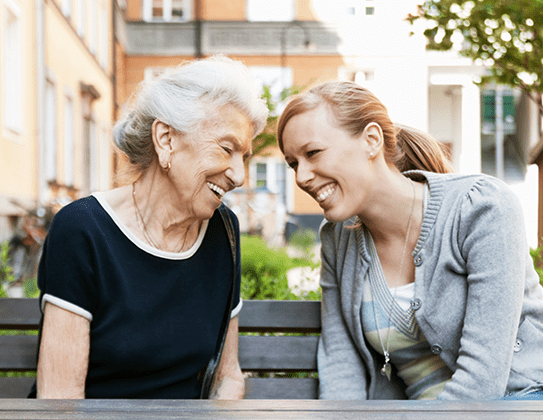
(183, 97)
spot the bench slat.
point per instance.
(275, 354)
(278, 354)
(18, 352)
(19, 314)
(280, 316)
(15, 387)
(281, 388)
(255, 388)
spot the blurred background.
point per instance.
(70, 66)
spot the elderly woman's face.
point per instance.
(209, 163)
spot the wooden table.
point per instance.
(268, 409)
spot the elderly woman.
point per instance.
(135, 281)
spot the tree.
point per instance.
(505, 35)
(268, 136)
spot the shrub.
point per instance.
(537, 255)
(264, 271)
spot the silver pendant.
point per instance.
(386, 370)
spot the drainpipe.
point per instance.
(198, 29)
(40, 98)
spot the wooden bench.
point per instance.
(269, 354)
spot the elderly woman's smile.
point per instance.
(211, 159)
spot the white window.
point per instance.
(12, 68)
(69, 141)
(277, 79)
(105, 160)
(50, 152)
(269, 173)
(81, 18)
(67, 8)
(104, 37)
(167, 10)
(93, 23)
(339, 10)
(266, 10)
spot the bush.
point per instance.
(264, 271)
(537, 255)
(6, 272)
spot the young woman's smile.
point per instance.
(330, 164)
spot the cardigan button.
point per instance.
(418, 260)
(517, 346)
(416, 304)
(436, 349)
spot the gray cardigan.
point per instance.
(478, 300)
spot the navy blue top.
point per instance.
(155, 315)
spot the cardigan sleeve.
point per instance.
(342, 375)
(491, 241)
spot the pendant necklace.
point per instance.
(387, 368)
(139, 219)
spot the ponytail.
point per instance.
(418, 150)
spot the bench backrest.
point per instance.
(277, 356)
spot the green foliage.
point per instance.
(6, 272)
(264, 271)
(304, 240)
(505, 35)
(268, 136)
(537, 255)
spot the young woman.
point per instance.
(429, 291)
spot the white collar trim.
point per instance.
(144, 246)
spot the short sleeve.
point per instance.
(66, 271)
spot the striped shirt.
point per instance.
(409, 350)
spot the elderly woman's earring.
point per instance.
(371, 155)
(167, 167)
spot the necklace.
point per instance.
(387, 368)
(139, 219)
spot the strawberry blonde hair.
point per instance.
(353, 108)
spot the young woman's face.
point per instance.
(331, 165)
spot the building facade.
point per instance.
(301, 43)
(56, 92)
(70, 66)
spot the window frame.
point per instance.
(167, 8)
(12, 68)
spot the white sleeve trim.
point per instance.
(236, 310)
(61, 303)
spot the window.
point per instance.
(105, 160)
(261, 175)
(266, 10)
(166, 10)
(104, 31)
(94, 162)
(339, 10)
(12, 66)
(67, 8)
(68, 141)
(93, 26)
(81, 18)
(269, 173)
(50, 152)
